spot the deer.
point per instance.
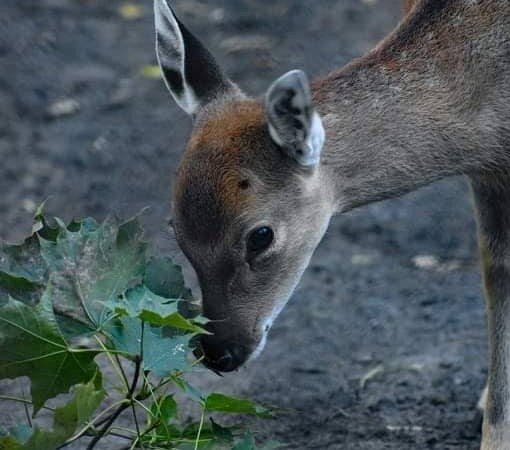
(260, 178)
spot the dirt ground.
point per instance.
(394, 289)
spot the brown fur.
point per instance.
(230, 160)
(215, 165)
(407, 6)
(242, 123)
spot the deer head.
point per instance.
(249, 204)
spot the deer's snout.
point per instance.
(219, 355)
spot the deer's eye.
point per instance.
(260, 239)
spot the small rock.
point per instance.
(63, 107)
(99, 144)
(361, 260)
(425, 261)
(29, 205)
(217, 15)
(130, 11)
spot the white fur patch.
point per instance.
(266, 326)
(312, 146)
(315, 142)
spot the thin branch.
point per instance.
(25, 406)
(92, 424)
(149, 429)
(115, 366)
(98, 423)
(147, 410)
(137, 426)
(83, 304)
(22, 400)
(120, 409)
(122, 371)
(142, 332)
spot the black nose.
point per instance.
(217, 354)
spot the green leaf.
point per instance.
(165, 408)
(24, 260)
(31, 345)
(67, 419)
(20, 288)
(14, 437)
(142, 303)
(93, 264)
(165, 279)
(222, 434)
(23, 272)
(191, 432)
(41, 226)
(163, 411)
(160, 354)
(9, 443)
(21, 432)
(225, 403)
(248, 443)
(189, 390)
(176, 320)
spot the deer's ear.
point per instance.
(190, 72)
(293, 124)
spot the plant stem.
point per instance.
(22, 400)
(107, 418)
(197, 441)
(137, 426)
(122, 371)
(149, 429)
(120, 409)
(117, 367)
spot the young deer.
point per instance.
(261, 178)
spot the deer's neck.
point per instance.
(412, 111)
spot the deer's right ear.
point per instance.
(190, 72)
(293, 123)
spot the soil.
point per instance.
(383, 345)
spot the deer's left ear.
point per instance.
(293, 124)
(191, 73)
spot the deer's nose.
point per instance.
(217, 355)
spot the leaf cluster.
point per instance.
(71, 292)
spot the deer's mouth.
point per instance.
(219, 356)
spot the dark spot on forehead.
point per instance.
(244, 184)
(212, 183)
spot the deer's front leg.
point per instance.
(492, 200)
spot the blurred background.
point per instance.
(384, 344)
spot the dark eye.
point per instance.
(260, 239)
